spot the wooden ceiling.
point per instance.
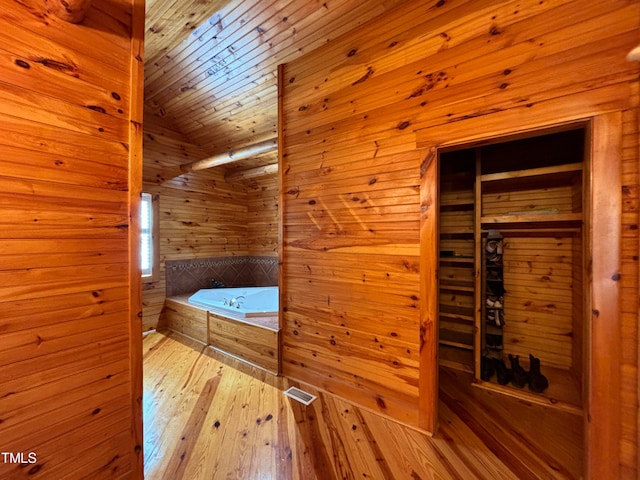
(211, 65)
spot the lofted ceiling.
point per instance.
(211, 65)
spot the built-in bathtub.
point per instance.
(240, 322)
(241, 303)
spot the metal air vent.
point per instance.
(300, 395)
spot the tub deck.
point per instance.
(253, 340)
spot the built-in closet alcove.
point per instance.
(511, 270)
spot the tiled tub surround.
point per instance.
(187, 276)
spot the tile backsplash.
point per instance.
(186, 276)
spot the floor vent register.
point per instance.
(300, 395)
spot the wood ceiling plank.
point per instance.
(261, 59)
(255, 52)
(214, 26)
(169, 22)
(213, 38)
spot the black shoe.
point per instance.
(494, 341)
(538, 383)
(487, 368)
(520, 375)
(504, 374)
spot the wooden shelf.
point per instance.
(563, 392)
(456, 344)
(457, 316)
(456, 339)
(458, 259)
(465, 321)
(537, 173)
(457, 203)
(456, 358)
(457, 285)
(569, 218)
(460, 313)
(456, 230)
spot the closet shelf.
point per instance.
(458, 259)
(456, 316)
(533, 173)
(458, 202)
(456, 358)
(457, 339)
(464, 346)
(457, 230)
(568, 218)
(563, 393)
(457, 285)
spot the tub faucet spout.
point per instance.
(235, 300)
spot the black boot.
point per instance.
(520, 375)
(504, 374)
(538, 383)
(487, 368)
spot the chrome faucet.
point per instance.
(236, 301)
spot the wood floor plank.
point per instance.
(208, 416)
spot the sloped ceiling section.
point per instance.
(211, 66)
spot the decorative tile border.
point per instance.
(218, 262)
(186, 276)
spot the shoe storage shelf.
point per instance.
(525, 302)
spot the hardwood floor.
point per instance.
(210, 417)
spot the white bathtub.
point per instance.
(257, 301)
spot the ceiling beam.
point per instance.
(251, 173)
(72, 11)
(231, 156)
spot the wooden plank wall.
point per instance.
(187, 319)
(248, 341)
(630, 335)
(70, 176)
(354, 114)
(262, 216)
(201, 215)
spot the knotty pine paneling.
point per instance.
(186, 319)
(380, 92)
(262, 216)
(630, 249)
(219, 86)
(167, 26)
(70, 176)
(201, 215)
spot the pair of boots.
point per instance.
(517, 375)
(537, 382)
(489, 366)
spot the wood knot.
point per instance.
(22, 63)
